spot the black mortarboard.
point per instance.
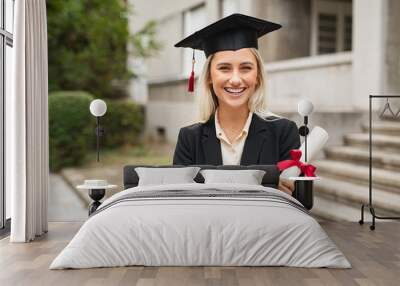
(233, 32)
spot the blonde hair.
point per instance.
(208, 101)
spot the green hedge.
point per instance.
(123, 123)
(71, 128)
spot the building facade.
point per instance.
(332, 52)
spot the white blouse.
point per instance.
(232, 153)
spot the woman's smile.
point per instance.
(235, 92)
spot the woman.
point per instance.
(234, 129)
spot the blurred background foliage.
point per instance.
(123, 123)
(88, 46)
(72, 127)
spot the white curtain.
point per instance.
(27, 165)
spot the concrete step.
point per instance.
(382, 159)
(355, 195)
(383, 127)
(383, 179)
(334, 211)
(378, 140)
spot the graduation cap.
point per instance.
(233, 32)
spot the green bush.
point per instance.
(123, 123)
(71, 128)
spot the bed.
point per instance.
(201, 223)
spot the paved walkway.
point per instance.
(64, 203)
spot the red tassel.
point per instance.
(191, 78)
(191, 82)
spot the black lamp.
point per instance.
(305, 108)
(98, 108)
(303, 191)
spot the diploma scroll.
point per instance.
(316, 141)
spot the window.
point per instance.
(228, 7)
(332, 26)
(6, 43)
(348, 32)
(193, 20)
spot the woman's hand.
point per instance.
(286, 186)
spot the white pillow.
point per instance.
(249, 177)
(162, 176)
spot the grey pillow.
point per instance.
(249, 177)
(162, 176)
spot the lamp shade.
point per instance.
(305, 107)
(98, 107)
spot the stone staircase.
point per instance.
(344, 175)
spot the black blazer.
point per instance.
(268, 142)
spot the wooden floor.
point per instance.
(375, 256)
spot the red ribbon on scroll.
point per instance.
(306, 169)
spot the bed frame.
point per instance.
(270, 179)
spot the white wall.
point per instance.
(368, 50)
(145, 10)
(392, 48)
(171, 116)
(169, 60)
(325, 80)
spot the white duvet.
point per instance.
(183, 231)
